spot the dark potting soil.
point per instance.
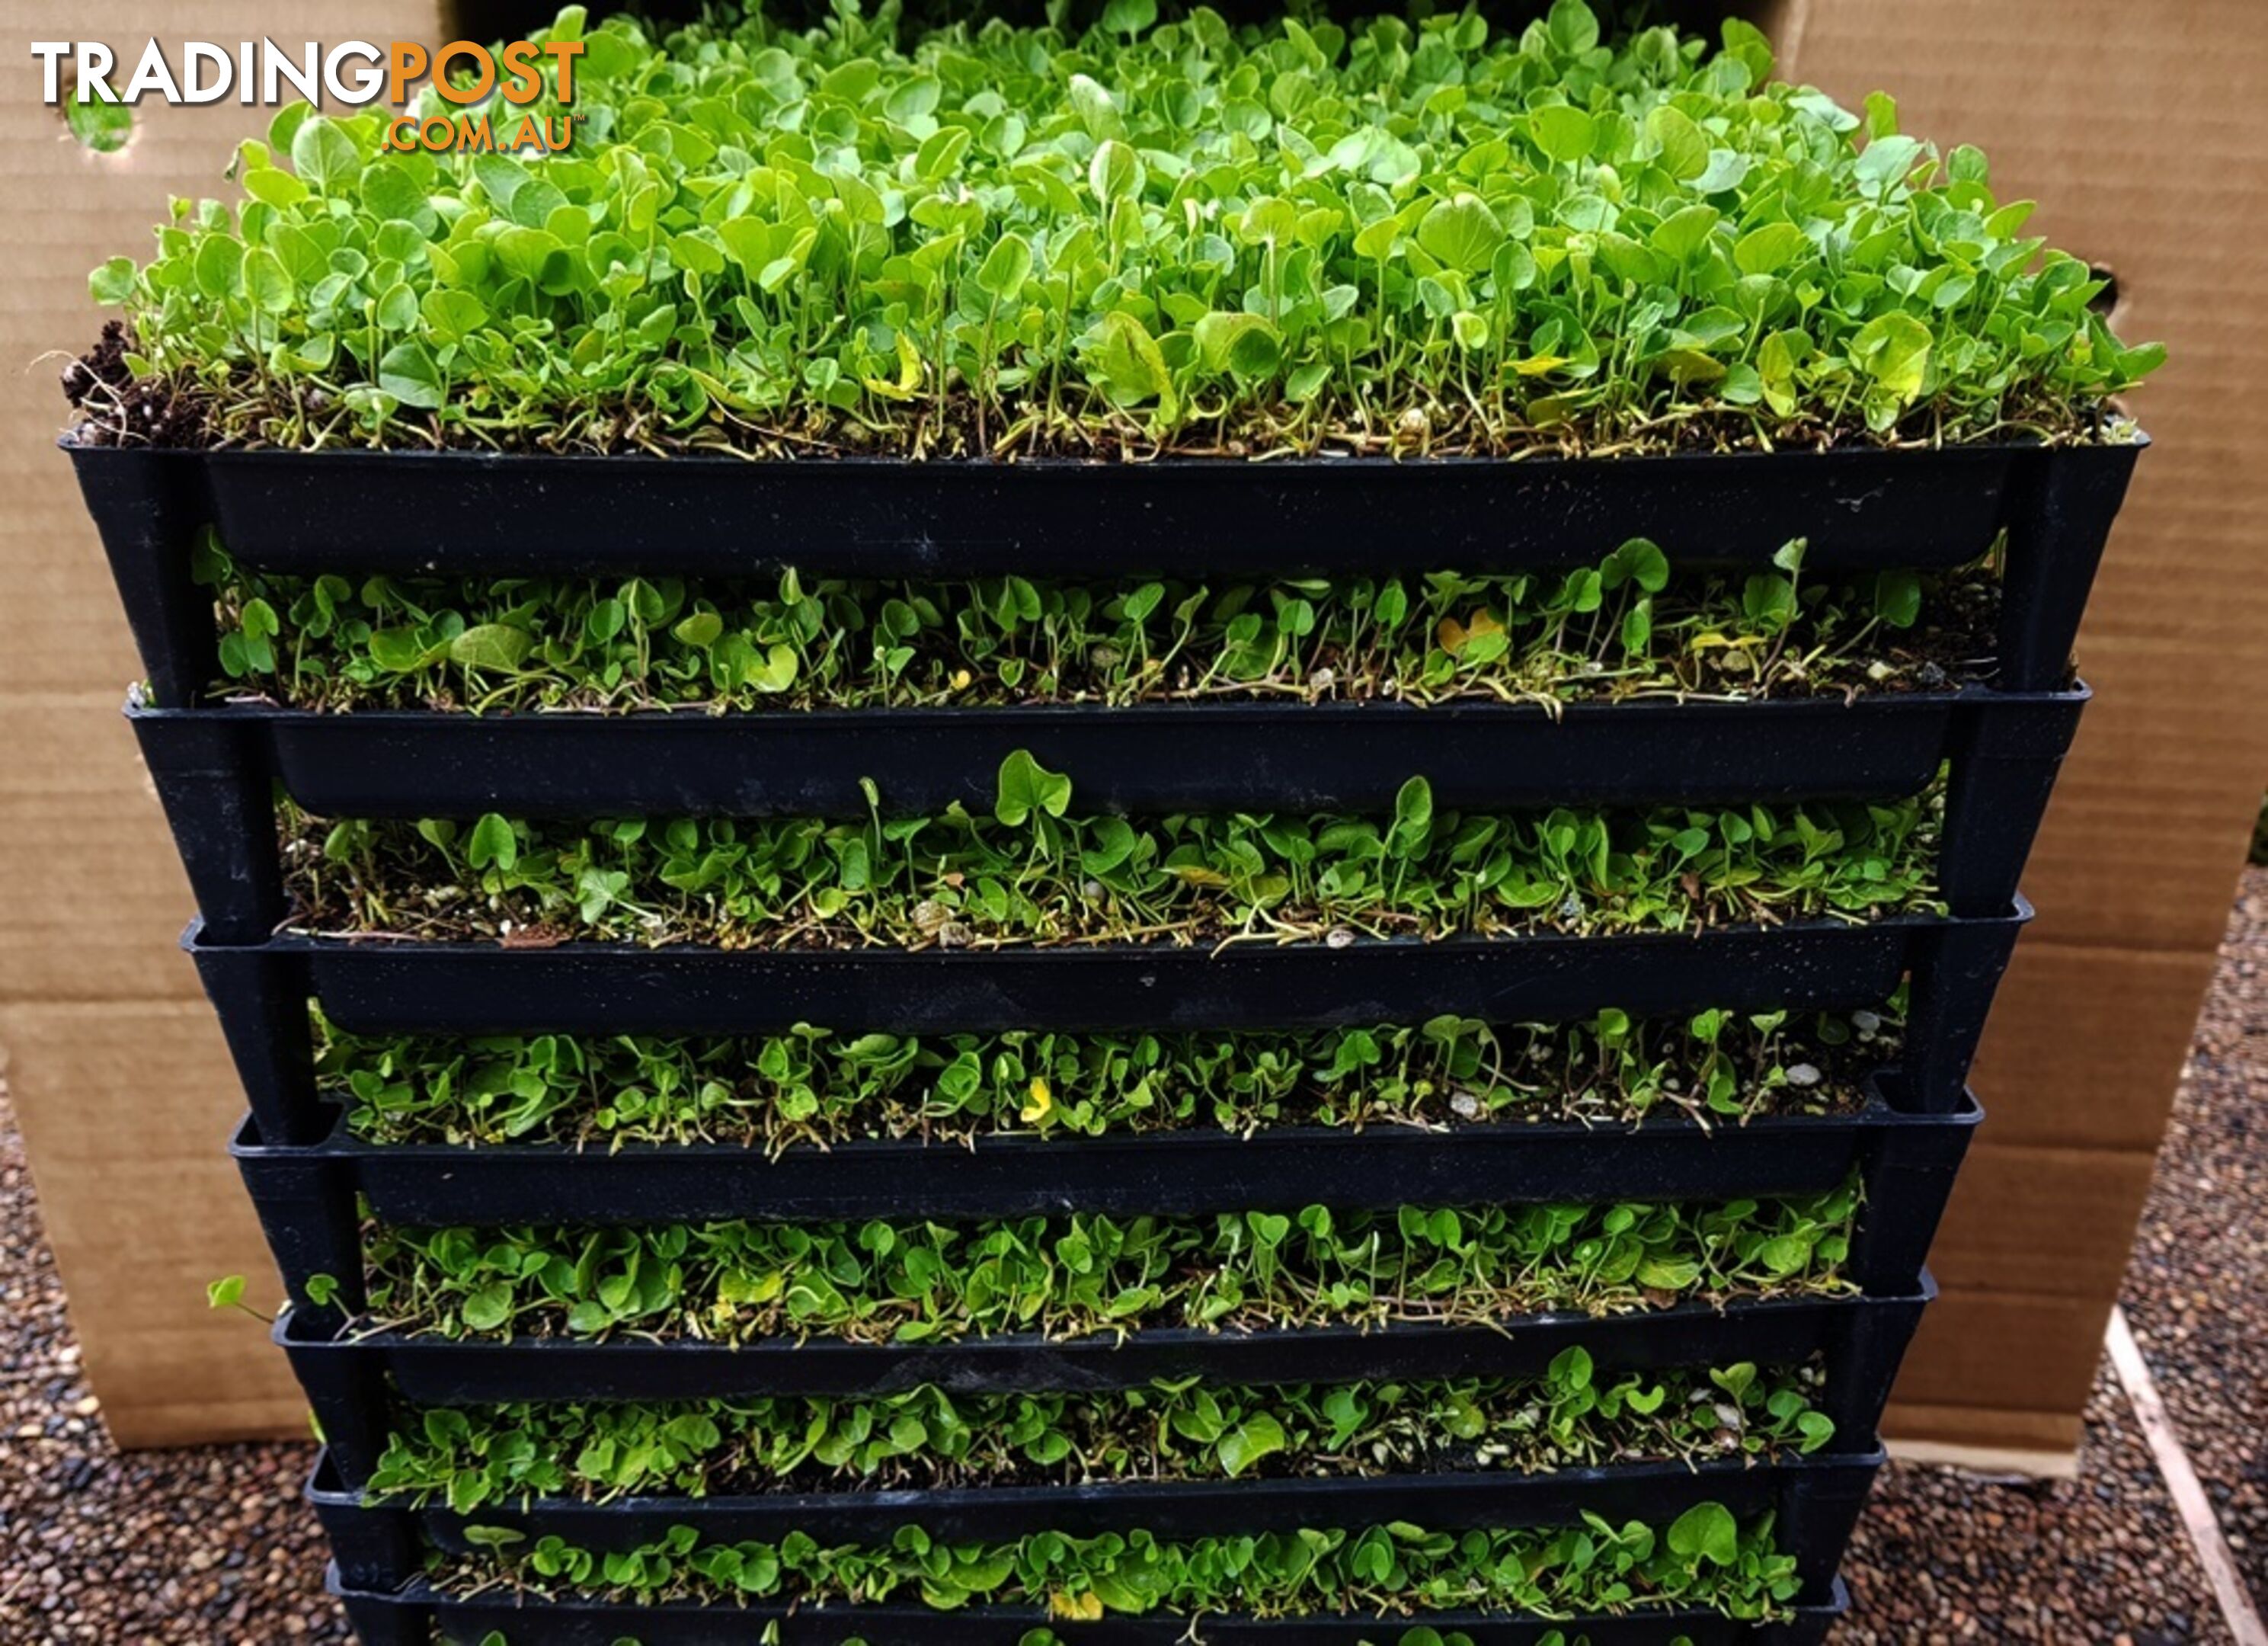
(122, 410)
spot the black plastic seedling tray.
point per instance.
(1907, 1161)
(418, 1615)
(358, 1379)
(260, 990)
(1443, 1502)
(1814, 1501)
(310, 1201)
(218, 769)
(482, 514)
(1326, 757)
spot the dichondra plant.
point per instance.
(1622, 630)
(1419, 1635)
(1033, 873)
(1178, 236)
(809, 1086)
(910, 1281)
(1138, 238)
(1702, 1558)
(928, 1438)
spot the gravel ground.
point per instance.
(1944, 1557)
(2198, 1293)
(211, 1545)
(92, 1543)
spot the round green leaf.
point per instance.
(1461, 232)
(103, 127)
(1706, 1531)
(1257, 1437)
(1684, 147)
(219, 267)
(266, 281)
(1563, 132)
(1768, 249)
(700, 630)
(1005, 268)
(407, 372)
(492, 841)
(1893, 348)
(1130, 16)
(323, 155)
(1025, 787)
(1244, 344)
(494, 645)
(1573, 27)
(1115, 173)
(113, 283)
(1683, 233)
(490, 1307)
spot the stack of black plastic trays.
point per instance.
(219, 768)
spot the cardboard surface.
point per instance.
(139, 1232)
(115, 1067)
(2131, 126)
(2049, 1082)
(98, 924)
(2021, 1366)
(2016, 1205)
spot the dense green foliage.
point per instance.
(1621, 630)
(1180, 235)
(1419, 1635)
(930, 1438)
(1704, 1558)
(810, 1086)
(1031, 873)
(913, 1281)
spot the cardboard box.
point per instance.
(139, 1231)
(115, 1067)
(2128, 123)
(2100, 110)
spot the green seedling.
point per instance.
(916, 1281)
(1034, 873)
(228, 1292)
(1625, 630)
(1418, 1636)
(928, 1439)
(809, 1086)
(1704, 1559)
(1184, 237)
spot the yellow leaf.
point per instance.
(961, 679)
(1197, 874)
(1083, 1608)
(1042, 1105)
(910, 373)
(1536, 365)
(1454, 636)
(741, 1290)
